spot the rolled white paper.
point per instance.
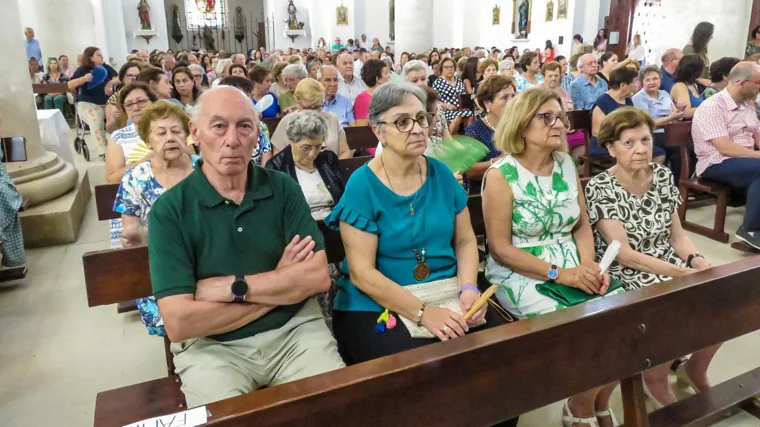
(609, 255)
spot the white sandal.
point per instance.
(570, 419)
(650, 397)
(683, 380)
(608, 413)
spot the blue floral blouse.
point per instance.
(264, 145)
(138, 190)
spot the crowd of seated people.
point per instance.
(226, 286)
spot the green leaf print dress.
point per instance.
(544, 211)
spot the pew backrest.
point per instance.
(272, 123)
(360, 137)
(45, 88)
(678, 134)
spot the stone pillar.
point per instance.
(414, 26)
(44, 177)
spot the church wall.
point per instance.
(251, 9)
(63, 27)
(376, 19)
(731, 20)
(110, 14)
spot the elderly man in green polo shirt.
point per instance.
(235, 260)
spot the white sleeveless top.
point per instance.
(128, 138)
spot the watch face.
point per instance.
(239, 288)
(553, 274)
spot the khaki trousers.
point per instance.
(212, 370)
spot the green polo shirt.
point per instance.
(194, 233)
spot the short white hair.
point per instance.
(297, 70)
(195, 113)
(221, 65)
(327, 67)
(413, 65)
(508, 63)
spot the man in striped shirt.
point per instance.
(726, 133)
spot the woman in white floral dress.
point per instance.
(164, 128)
(537, 227)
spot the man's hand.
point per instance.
(297, 250)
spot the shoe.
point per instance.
(751, 238)
(655, 403)
(570, 419)
(608, 413)
(683, 380)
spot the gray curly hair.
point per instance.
(306, 124)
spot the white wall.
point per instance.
(377, 19)
(110, 14)
(731, 19)
(157, 20)
(52, 22)
(448, 23)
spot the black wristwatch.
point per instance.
(239, 289)
(691, 258)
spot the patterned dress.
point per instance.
(450, 95)
(544, 211)
(138, 191)
(11, 239)
(647, 221)
(523, 84)
(128, 138)
(263, 146)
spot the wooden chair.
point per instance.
(272, 123)
(581, 120)
(360, 137)
(649, 331)
(679, 135)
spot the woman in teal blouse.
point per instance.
(404, 221)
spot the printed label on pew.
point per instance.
(191, 418)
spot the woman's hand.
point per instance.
(584, 277)
(88, 77)
(699, 264)
(458, 176)
(676, 115)
(443, 323)
(466, 300)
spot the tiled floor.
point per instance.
(56, 354)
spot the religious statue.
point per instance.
(177, 35)
(521, 24)
(208, 38)
(550, 11)
(392, 17)
(143, 11)
(239, 24)
(205, 6)
(342, 15)
(293, 23)
(496, 15)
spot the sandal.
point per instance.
(570, 419)
(608, 413)
(683, 380)
(650, 397)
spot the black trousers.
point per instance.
(358, 342)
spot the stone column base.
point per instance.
(43, 179)
(56, 222)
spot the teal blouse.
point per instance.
(369, 205)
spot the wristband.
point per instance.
(469, 286)
(420, 313)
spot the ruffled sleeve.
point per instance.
(355, 208)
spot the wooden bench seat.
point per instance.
(678, 134)
(508, 370)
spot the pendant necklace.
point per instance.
(421, 270)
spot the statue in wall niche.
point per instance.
(143, 11)
(549, 11)
(521, 23)
(177, 35)
(293, 22)
(208, 38)
(392, 16)
(239, 24)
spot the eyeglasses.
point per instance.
(448, 67)
(131, 76)
(550, 119)
(308, 149)
(139, 103)
(406, 124)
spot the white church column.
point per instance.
(414, 26)
(43, 178)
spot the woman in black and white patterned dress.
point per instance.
(449, 87)
(636, 203)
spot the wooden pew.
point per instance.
(678, 134)
(46, 88)
(272, 123)
(360, 137)
(508, 370)
(581, 120)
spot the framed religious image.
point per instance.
(550, 11)
(521, 19)
(496, 15)
(561, 9)
(342, 15)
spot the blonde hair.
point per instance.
(636, 64)
(294, 59)
(309, 91)
(161, 110)
(487, 63)
(517, 117)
